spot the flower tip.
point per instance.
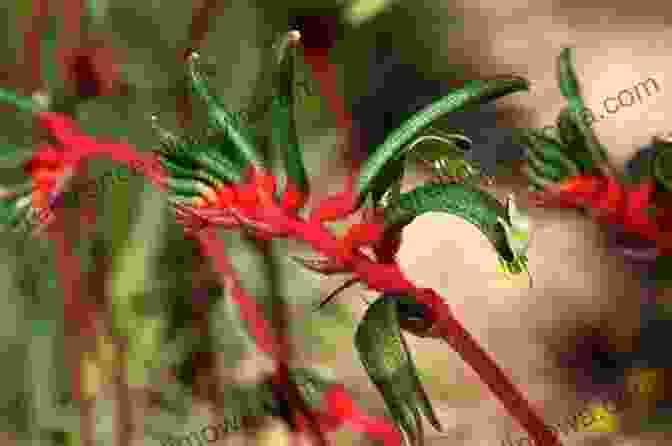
(41, 99)
(294, 35)
(193, 56)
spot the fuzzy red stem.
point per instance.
(79, 317)
(452, 331)
(198, 28)
(325, 74)
(213, 247)
(262, 331)
(73, 12)
(33, 42)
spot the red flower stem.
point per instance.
(32, 42)
(252, 313)
(73, 12)
(281, 378)
(212, 246)
(79, 317)
(386, 277)
(198, 28)
(325, 74)
(452, 331)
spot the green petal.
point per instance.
(462, 200)
(283, 131)
(223, 120)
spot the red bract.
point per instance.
(46, 167)
(360, 235)
(612, 203)
(293, 198)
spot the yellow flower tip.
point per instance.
(210, 195)
(200, 202)
(514, 281)
(506, 279)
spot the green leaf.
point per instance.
(393, 146)
(467, 202)
(385, 356)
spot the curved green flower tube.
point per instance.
(385, 356)
(505, 227)
(242, 139)
(283, 134)
(393, 146)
